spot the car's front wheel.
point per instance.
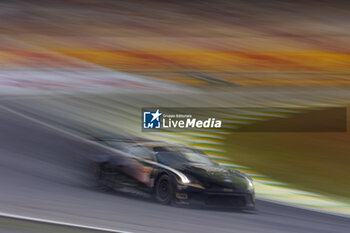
(164, 190)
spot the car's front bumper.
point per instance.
(221, 199)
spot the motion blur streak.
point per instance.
(93, 64)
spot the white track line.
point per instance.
(66, 224)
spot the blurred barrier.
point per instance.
(195, 68)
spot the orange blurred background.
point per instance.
(199, 43)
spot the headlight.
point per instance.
(190, 181)
(183, 179)
(250, 185)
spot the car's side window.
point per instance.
(142, 152)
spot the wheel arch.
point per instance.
(171, 175)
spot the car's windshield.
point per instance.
(175, 155)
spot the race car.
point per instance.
(172, 174)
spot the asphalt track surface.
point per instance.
(45, 175)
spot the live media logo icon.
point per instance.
(152, 120)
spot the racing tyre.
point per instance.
(97, 171)
(164, 190)
(98, 175)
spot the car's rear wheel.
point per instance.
(164, 190)
(97, 169)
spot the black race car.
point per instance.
(172, 174)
